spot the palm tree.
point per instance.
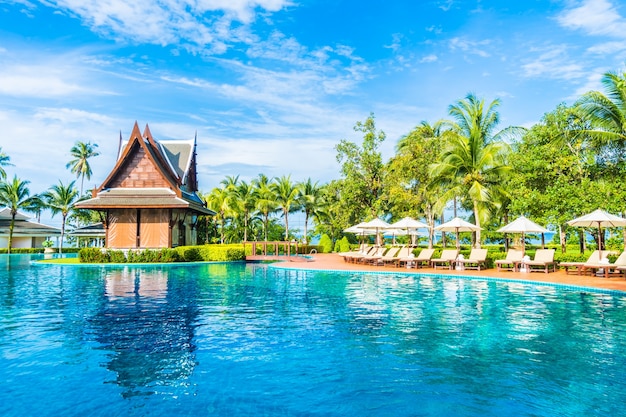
(81, 152)
(36, 206)
(15, 195)
(243, 198)
(606, 113)
(310, 200)
(265, 200)
(217, 201)
(286, 197)
(60, 199)
(4, 161)
(473, 161)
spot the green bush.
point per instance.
(325, 244)
(344, 245)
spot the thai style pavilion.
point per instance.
(150, 200)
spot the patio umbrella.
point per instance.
(377, 225)
(599, 219)
(523, 225)
(457, 225)
(358, 230)
(409, 225)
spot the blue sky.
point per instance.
(271, 86)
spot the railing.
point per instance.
(274, 247)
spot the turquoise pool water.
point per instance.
(252, 340)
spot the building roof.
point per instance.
(5, 214)
(174, 163)
(91, 230)
(27, 228)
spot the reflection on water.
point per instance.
(146, 323)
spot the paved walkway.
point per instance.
(331, 261)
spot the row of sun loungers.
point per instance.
(514, 261)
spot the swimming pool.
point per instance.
(243, 340)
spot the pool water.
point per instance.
(254, 340)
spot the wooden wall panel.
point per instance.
(139, 172)
(122, 230)
(155, 229)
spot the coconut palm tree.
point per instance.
(4, 161)
(606, 113)
(265, 200)
(14, 195)
(60, 199)
(286, 196)
(218, 201)
(243, 198)
(473, 161)
(81, 152)
(310, 200)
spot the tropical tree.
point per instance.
(408, 183)
(81, 152)
(4, 161)
(606, 115)
(265, 200)
(218, 201)
(14, 195)
(286, 195)
(36, 206)
(60, 199)
(473, 161)
(310, 200)
(244, 200)
(362, 172)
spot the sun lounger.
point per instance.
(605, 268)
(422, 259)
(513, 258)
(373, 257)
(544, 261)
(594, 258)
(477, 259)
(404, 252)
(389, 256)
(448, 256)
(352, 256)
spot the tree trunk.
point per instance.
(11, 233)
(286, 226)
(562, 239)
(62, 234)
(477, 220)
(306, 222)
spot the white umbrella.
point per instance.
(522, 225)
(599, 219)
(377, 225)
(409, 225)
(457, 225)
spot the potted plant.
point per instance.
(47, 244)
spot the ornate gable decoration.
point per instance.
(142, 165)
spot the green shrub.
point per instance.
(344, 245)
(325, 244)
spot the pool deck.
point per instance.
(331, 261)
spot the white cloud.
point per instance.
(472, 47)
(552, 62)
(429, 58)
(596, 17)
(195, 24)
(607, 48)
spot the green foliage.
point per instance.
(326, 244)
(342, 245)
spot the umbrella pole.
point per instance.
(458, 242)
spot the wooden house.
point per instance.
(150, 200)
(26, 232)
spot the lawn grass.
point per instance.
(75, 260)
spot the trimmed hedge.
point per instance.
(36, 250)
(179, 254)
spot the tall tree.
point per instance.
(81, 152)
(362, 172)
(408, 181)
(14, 195)
(243, 198)
(265, 200)
(286, 197)
(473, 161)
(60, 199)
(4, 161)
(607, 115)
(218, 201)
(310, 200)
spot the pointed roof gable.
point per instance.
(152, 151)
